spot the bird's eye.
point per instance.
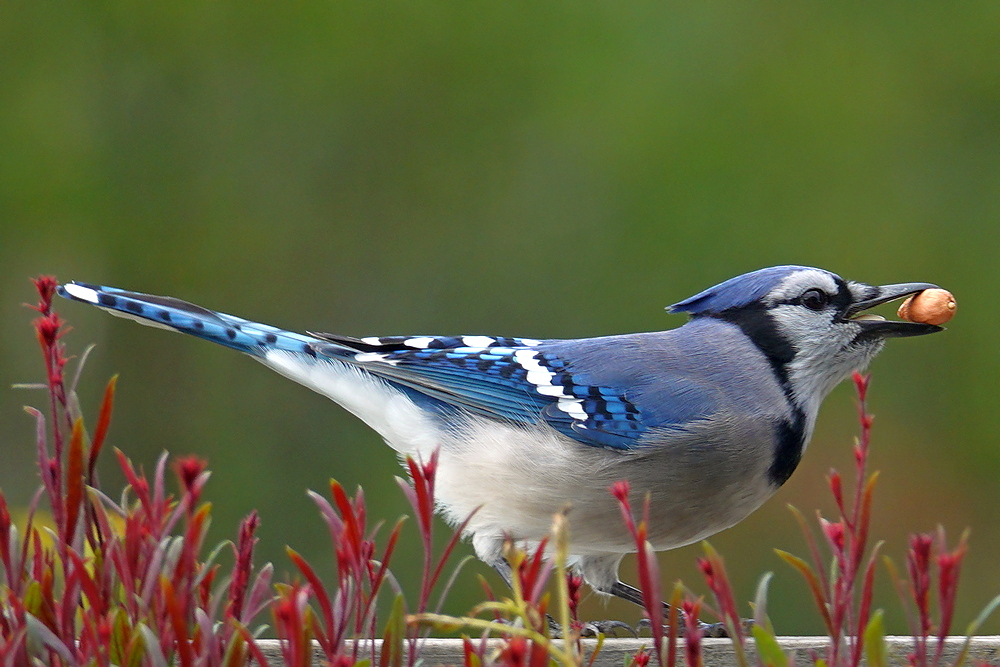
(815, 299)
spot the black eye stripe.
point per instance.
(841, 299)
(814, 299)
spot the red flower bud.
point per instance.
(188, 469)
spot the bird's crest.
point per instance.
(735, 292)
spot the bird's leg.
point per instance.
(506, 572)
(626, 592)
(622, 590)
(503, 568)
(591, 629)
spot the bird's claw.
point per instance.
(607, 628)
(713, 630)
(592, 628)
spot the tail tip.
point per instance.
(78, 291)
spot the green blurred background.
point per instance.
(536, 169)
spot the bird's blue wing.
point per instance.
(515, 379)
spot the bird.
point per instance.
(708, 419)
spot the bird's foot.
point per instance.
(592, 628)
(713, 630)
(606, 628)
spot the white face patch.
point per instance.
(541, 377)
(797, 283)
(825, 352)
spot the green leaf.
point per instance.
(760, 603)
(136, 649)
(875, 648)
(392, 640)
(768, 649)
(120, 634)
(236, 651)
(32, 598)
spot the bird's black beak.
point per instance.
(878, 326)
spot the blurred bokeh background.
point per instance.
(545, 170)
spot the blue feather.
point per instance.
(735, 292)
(491, 381)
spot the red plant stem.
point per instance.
(918, 564)
(714, 569)
(48, 330)
(647, 565)
(850, 547)
(864, 608)
(244, 566)
(692, 633)
(949, 567)
(423, 485)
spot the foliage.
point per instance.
(117, 582)
(128, 582)
(844, 596)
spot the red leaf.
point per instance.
(87, 583)
(5, 525)
(46, 286)
(353, 532)
(101, 430)
(243, 567)
(178, 622)
(74, 481)
(861, 384)
(692, 633)
(258, 654)
(324, 600)
(138, 483)
(390, 547)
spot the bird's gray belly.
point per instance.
(699, 481)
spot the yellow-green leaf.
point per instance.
(768, 649)
(875, 649)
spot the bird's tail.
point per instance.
(166, 312)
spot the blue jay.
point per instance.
(709, 418)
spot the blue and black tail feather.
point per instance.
(169, 313)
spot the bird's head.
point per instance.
(810, 323)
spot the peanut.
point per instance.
(932, 306)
